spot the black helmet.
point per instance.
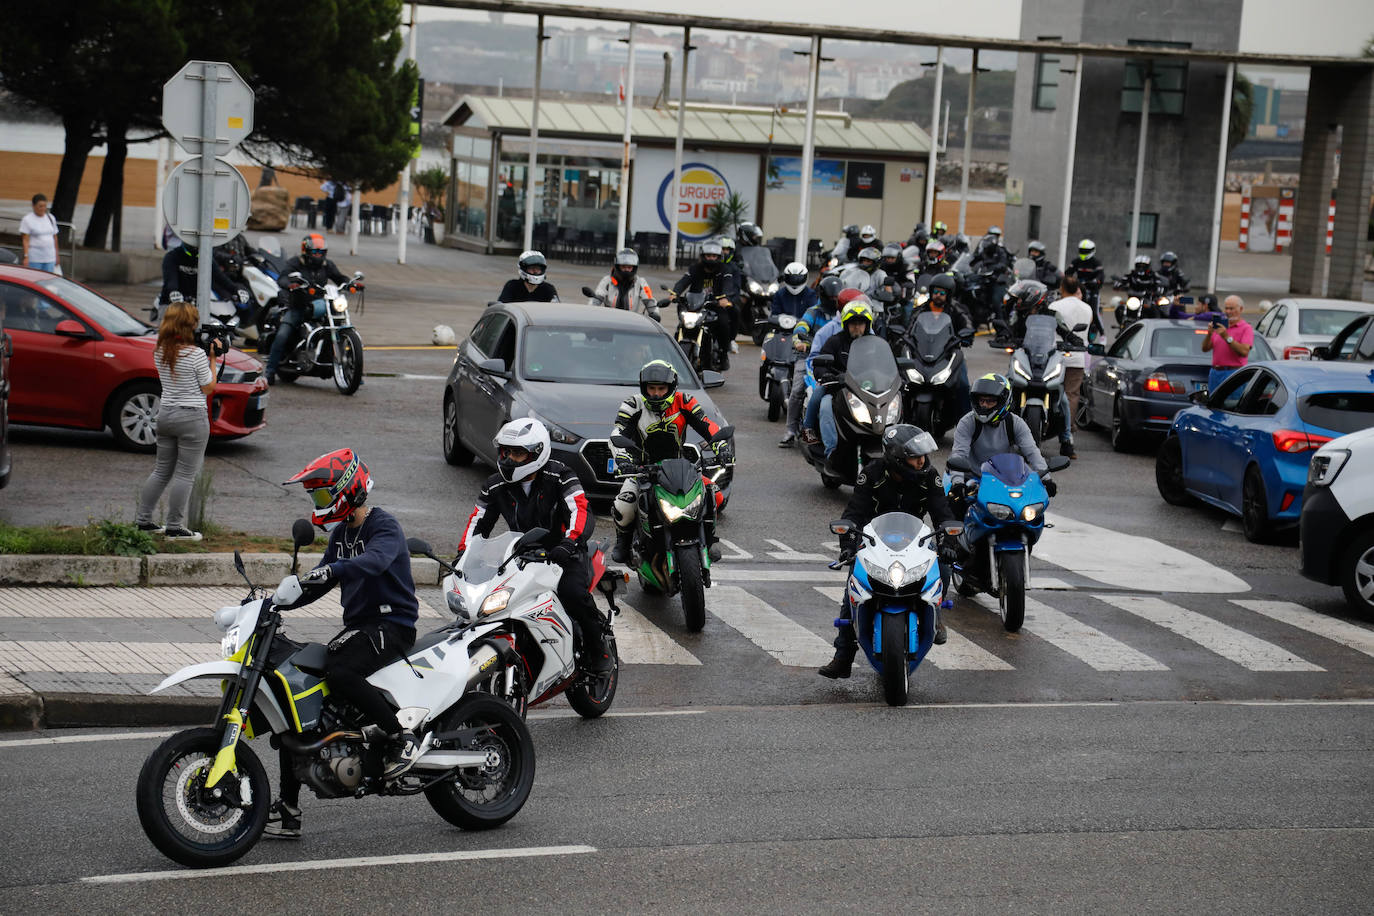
(1168, 259)
(994, 386)
(1035, 249)
(943, 282)
(905, 441)
(1027, 295)
(749, 234)
(920, 235)
(657, 372)
(892, 256)
(830, 288)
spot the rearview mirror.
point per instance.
(956, 463)
(966, 334)
(418, 545)
(841, 527)
(710, 378)
(621, 442)
(493, 366)
(1097, 349)
(531, 537)
(589, 292)
(906, 362)
(1057, 463)
(302, 533)
(722, 434)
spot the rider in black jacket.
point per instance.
(180, 272)
(532, 491)
(905, 481)
(311, 269)
(709, 275)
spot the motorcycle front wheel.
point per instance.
(1011, 570)
(1035, 419)
(592, 696)
(348, 362)
(186, 824)
(481, 798)
(693, 588)
(896, 636)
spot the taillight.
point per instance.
(1297, 353)
(1292, 441)
(1159, 382)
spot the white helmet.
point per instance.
(794, 277)
(528, 434)
(532, 266)
(867, 234)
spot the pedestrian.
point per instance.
(38, 230)
(333, 193)
(1072, 312)
(183, 421)
(1228, 341)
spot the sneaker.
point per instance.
(178, 533)
(405, 748)
(788, 440)
(283, 821)
(941, 637)
(734, 347)
(150, 528)
(271, 378)
(810, 437)
(1066, 449)
(839, 666)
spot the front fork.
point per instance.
(235, 708)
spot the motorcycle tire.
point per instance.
(1011, 571)
(168, 808)
(895, 637)
(348, 362)
(775, 408)
(455, 453)
(481, 800)
(923, 416)
(287, 375)
(592, 696)
(692, 587)
(1035, 419)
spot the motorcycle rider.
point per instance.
(368, 559)
(941, 299)
(532, 285)
(1143, 283)
(1027, 298)
(311, 269)
(794, 297)
(849, 241)
(531, 490)
(868, 238)
(709, 275)
(1172, 281)
(1045, 271)
(993, 259)
(933, 265)
(856, 320)
(919, 236)
(660, 407)
(749, 234)
(898, 279)
(180, 273)
(1090, 274)
(990, 428)
(622, 288)
(817, 316)
(906, 481)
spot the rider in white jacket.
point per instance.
(622, 288)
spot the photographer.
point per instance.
(1229, 342)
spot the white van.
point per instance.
(1337, 523)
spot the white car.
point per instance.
(1337, 522)
(1294, 326)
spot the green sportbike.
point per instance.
(203, 795)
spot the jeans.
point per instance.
(797, 398)
(290, 324)
(1217, 375)
(49, 266)
(1066, 416)
(813, 408)
(830, 433)
(182, 433)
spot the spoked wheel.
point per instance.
(593, 694)
(688, 560)
(1011, 567)
(188, 823)
(896, 635)
(348, 362)
(479, 798)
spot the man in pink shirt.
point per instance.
(1228, 343)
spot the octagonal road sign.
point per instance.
(183, 98)
(181, 201)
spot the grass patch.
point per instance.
(106, 537)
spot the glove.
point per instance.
(849, 544)
(957, 491)
(948, 548)
(1051, 487)
(563, 553)
(799, 344)
(320, 575)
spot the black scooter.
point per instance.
(937, 355)
(779, 362)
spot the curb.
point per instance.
(32, 711)
(166, 569)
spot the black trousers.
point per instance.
(574, 593)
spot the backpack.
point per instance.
(340, 192)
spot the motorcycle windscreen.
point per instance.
(1040, 340)
(896, 530)
(1024, 269)
(871, 367)
(1008, 467)
(758, 264)
(693, 302)
(678, 476)
(856, 278)
(485, 555)
(661, 445)
(934, 332)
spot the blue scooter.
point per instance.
(893, 592)
(1004, 520)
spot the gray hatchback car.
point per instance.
(570, 366)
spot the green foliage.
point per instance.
(724, 218)
(120, 539)
(104, 537)
(196, 518)
(1242, 109)
(911, 100)
(432, 183)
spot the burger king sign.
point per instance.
(701, 187)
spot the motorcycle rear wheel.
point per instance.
(592, 696)
(195, 832)
(1011, 569)
(486, 798)
(348, 362)
(896, 635)
(693, 588)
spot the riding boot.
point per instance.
(620, 553)
(841, 665)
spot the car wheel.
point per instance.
(1357, 573)
(1169, 474)
(1123, 438)
(454, 451)
(1084, 418)
(1254, 508)
(132, 416)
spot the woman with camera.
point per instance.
(183, 420)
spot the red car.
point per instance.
(82, 362)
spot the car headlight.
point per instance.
(1029, 513)
(690, 319)
(915, 377)
(229, 644)
(898, 574)
(942, 376)
(1016, 367)
(894, 411)
(1325, 467)
(234, 376)
(495, 603)
(556, 432)
(339, 305)
(673, 513)
(858, 408)
(999, 511)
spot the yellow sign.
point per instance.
(221, 223)
(699, 190)
(236, 123)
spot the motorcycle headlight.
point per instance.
(1019, 370)
(772, 288)
(999, 511)
(915, 377)
(495, 603)
(673, 513)
(942, 376)
(339, 305)
(898, 574)
(756, 288)
(1029, 513)
(894, 411)
(787, 322)
(690, 319)
(1058, 371)
(229, 644)
(858, 408)
(456, 605)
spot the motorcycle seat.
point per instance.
(427, 640)
(311, 659)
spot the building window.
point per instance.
(1149, 230)
(1033, 224)
(1046, 82)
(1168, 81)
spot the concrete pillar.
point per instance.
(1348, 239)
(1314, 181)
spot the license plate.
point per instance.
(258, 401)
(610, 465)
(1199, 384)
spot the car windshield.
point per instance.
(1326, 322)
(871, 366)
(758, 263)
(896, 530)
(597, 356)
(485, 554)
(97, 308)
(1340, 411)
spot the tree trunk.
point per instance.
(109, 200)
(80, 140)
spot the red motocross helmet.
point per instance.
(337, 483)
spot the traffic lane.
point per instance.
(751, 788)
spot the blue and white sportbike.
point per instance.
(893, 593)
(1003, 521)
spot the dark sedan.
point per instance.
(570, 366)
(1144, 378)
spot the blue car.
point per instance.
(1245, 447)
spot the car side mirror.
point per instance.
(1321, 353)
(710, 378)
(70, 327)
(1057, 463)
(1097, 349)
(492, 366)
(1199, 397)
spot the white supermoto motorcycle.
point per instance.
(203, 795)
(504, 592)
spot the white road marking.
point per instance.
(1232, 526)
(426, 378)
(788, 555)
(642, 643)
(1048, 583)
(1130, 561)
(736, 552)
(1359, 638)
(79, 739)
(627, 714)
(959, 654)
(1245, 650)
(816, 573)
(768, 628)
(1088, 644)
(420, 858)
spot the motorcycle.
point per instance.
(779, 362)
(516, 613)
(1005, 517)
(938, 354)
(976, 290)
(669, 547)
(1037, 375)
(760, 276)
(894, 592)
(203, 795)
(866, 399)
(326, 344)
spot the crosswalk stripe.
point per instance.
(1088, 644)
(1245, 650)
(1127, 560)
(1359, 638)
(787, 554)
(641, 643)
(817, 573)
(959, 654)
(766, 627)
(736, 552)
